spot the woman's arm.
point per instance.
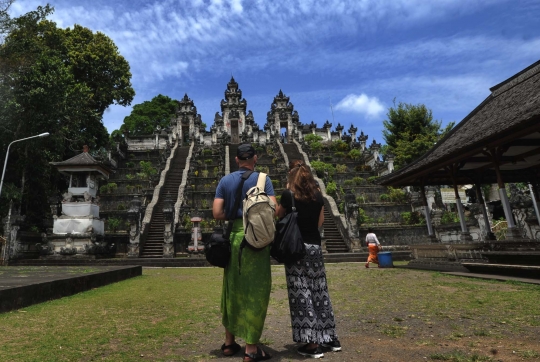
(280, 211)
(321, 217)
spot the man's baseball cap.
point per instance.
(245, 152)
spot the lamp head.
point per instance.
(43, 134)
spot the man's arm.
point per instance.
(217, 209)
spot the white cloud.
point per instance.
(369, 106)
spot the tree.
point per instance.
(58, 81)
(410, 131)
(145, 117)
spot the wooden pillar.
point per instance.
(534, 197)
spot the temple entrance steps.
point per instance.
(334, 240)
(292, 152)
(153, 247)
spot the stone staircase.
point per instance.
(153, 247)
(334, 240)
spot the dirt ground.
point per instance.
(387, 338)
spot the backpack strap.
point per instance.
(261, 184)
(231, 217)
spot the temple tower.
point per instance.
(233, 112)
(188, 122)
(282, 115)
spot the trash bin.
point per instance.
(385, 259)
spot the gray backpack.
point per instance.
(258, 216)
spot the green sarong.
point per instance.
(245, 297)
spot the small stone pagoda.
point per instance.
(78, 232)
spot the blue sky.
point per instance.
(358, 55)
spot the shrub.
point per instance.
(320, 167)
(112, 186)
(331, 189)
(204, 173)
(359, 180)
(147, 169)
(328, 158)
(130, 164)
(208, 161)
(348, 182)
(216, 170)
(121, 207)
(341, 207)
(354, 154)
(204, 203)
(397, 195)
(384, 197)
(207, 152)
(104, 189)
(372, 179)
(130, 188)
(276, 184)
(362, 217)
(449, 217)
(340, 145)
(360, 200)
(113, 224)
(310, 138)
(412, 218)
(341, 168)
(339, 155)
(130, 176)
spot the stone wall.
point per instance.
(396, 235)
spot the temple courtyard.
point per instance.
(173, 314)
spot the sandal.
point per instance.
(233, 349)
(254, 357)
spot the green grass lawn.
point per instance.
(165, 310)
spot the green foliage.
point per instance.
(362, 217)
(130, 188)
(121, 206)
(340, 146)
(328, 158)
(362, 168)
(204, 173)
(372, 179)
(397, 195)
(348, 183)
(341, 168)
(108, 188)
(130, 177)
(354, 154)
(320, 167)
(146, 116)
(207, 152)
(113, 224)
(410, 131)
(337, 155)
(276, 184)
(130, 164)
(360, 200)
(331, 189)
(208, 161)
(204, 203)
(341, 207)
(359, 180)
(384, 197)
(449, 217)
(60, 81)
(412, 218)
(314, 142)
(147, 169)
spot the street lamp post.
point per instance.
(7, 155)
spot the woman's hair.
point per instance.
(301, 181)
(370, 230)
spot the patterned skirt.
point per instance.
(312, 316)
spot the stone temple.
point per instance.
(151, 196)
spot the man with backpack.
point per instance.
(246, 292)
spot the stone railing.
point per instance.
(157, 192)
(182, 187)
(333, 209)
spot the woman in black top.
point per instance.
(312, 316)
